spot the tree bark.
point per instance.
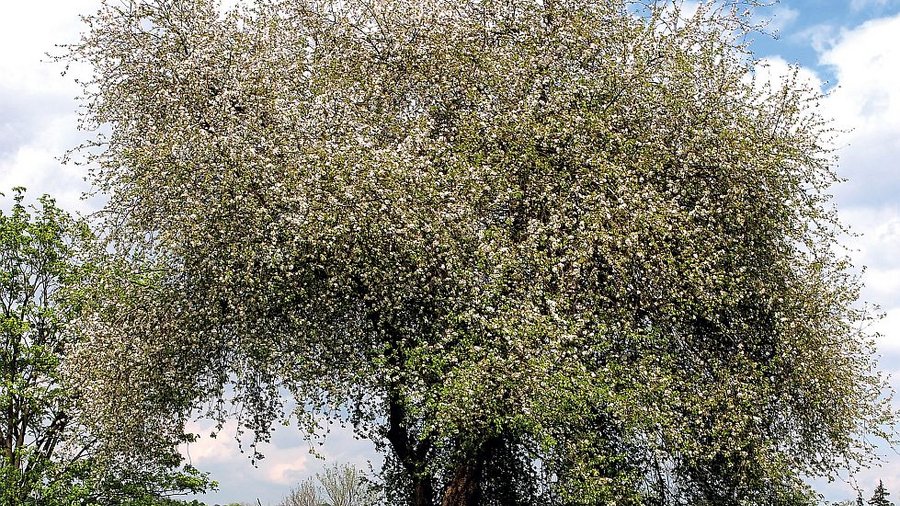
(466, 486)
(423, 494)
(411, 454)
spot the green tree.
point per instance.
(37, 432)
(49, 456)
(569, 249)
(879, 497)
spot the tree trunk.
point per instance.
(464, 488)
(411, 453)
(423, 494)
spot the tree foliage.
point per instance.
(562, 249)
(40, 437)
(49, 455)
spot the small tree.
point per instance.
(306, 494)
(879, 498)
(340, 485)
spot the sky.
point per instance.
(851, 49)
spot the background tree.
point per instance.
(340, 485)
(49, 456)
(306, 494)
(486, 234)
(879, 497)
(37, 433)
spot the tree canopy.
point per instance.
(560, 250)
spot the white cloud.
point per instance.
(37, 106)
(779, 18)
(820, 36)
(287, 462)
(889, 340)
(29, 30)
(688, 8)
(775, 18)
(282, 465)
(858, 5)
(866, 105)
(867, 66)
(876, 248)
(878, 243)
(35, 164)
(773, 71)
(226, 5)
